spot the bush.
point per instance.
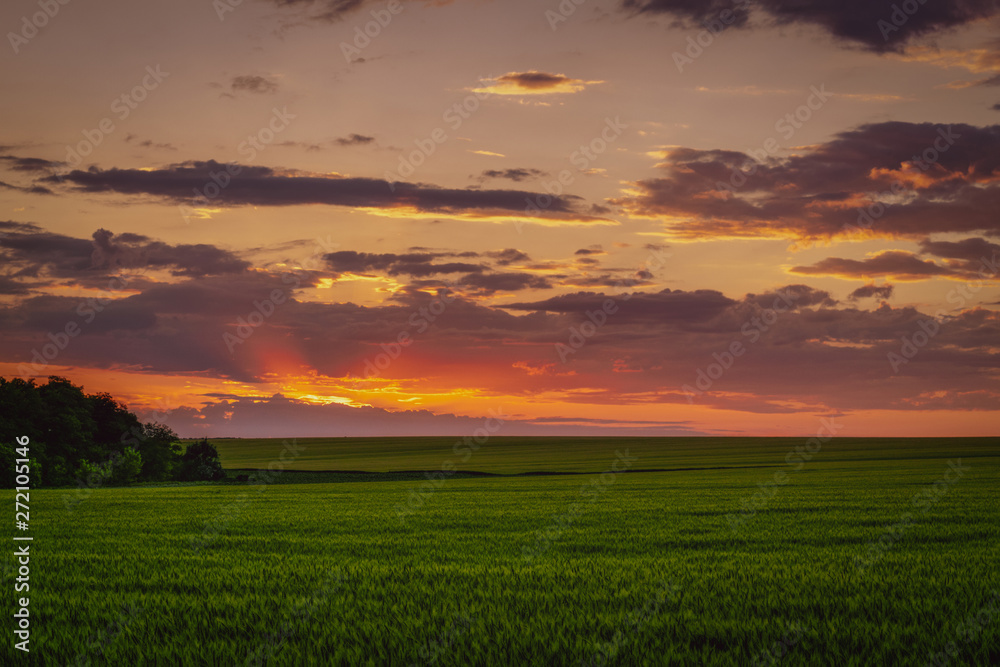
(125, 468)
(92, 475)
(200, 462)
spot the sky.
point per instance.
(623, 217)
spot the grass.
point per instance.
(633, 569)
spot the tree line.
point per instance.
(77, 437)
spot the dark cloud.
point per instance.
(872, 291)
(965, 259)
(320, 10)
(263, 186)
(354, 140)
(876, 25)
(252, 83)
(793, 296)
(535, 80)
(30, 164)
(31, 189)
(651, 344)
(413, 264)
(896, 263)
(30, 252)
(664, 306)
(825, 191)
(148, 143)
(592, 250)
(491, 283)
(10, 286)
(517, 174)
(973, 249)
(507, 256)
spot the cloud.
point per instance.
(148, 143)
(263, 186)
(30, 252)
(896, 264)
(534, 83)
(491, 283)
(964, 260)
(413, 264)
(891, 179)
(517, 175)
(665, 306)
(871, 290)
(875, 25)
(508, 256)
(30, 164)
(354, 140)
(972, 249)
(252, 83)
(649, 346)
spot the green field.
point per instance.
(637, 568)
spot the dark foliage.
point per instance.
(78, 438)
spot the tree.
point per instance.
(161, 454)
(201, 462)
(125, 468)
(69, 429)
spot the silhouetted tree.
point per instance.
(73, 434)
(201, 462)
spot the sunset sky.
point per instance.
(224, 213)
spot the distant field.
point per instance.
(511, 455)
(450, 584)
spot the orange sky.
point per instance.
(622, 220)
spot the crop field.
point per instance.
(725, 551)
